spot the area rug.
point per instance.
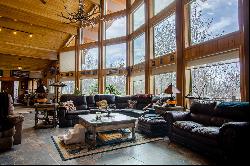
(68, 152)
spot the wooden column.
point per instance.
(128, 47)
(101, 52)
(180, 43)
(244, 51)
(77, 53)
(149, 47)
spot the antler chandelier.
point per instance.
(83, 17)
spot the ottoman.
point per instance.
(152, 125)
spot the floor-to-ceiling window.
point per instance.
(212, 18)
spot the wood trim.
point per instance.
(114, 41)
(168, 11)
(180, 43)
(135, 5)
(129, 48)
(244, 50)
(221, 44)
(101, 53)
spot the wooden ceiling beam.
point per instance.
(34, 19)
(27, 51)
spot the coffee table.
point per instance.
(114, 122)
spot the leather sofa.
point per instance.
(10, 123)
(87, 104)
(220, 131)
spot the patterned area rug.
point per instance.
(68, 152)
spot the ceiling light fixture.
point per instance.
(19, 68)
(14, 32)
(82, 16)
(30, 35)
(0, 29)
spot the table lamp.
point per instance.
(171, 90)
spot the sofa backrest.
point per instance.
(143, 100)
(217, 115)
(5, 123)
(202, 112)
(109, 98)
(122, 101)
(80, 102)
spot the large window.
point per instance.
(219, 80)
(165, 37)
(159, 5)
(89, 86)
(116, 85)
(139, 85)
(90, 59)
(162, 81)
(116, 28)
(116, 56)
(139, 17)
(70, 88)
(139, 49)
(115, 6)
(212, 18)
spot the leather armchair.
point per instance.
(10, 123)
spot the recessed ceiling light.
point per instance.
(0, 29)
(30, 35)
(15, 19)
(15, 33)
(20, 68)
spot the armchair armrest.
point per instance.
(235, 136)
(61, 113)
(172, 116)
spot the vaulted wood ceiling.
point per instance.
(42, 19)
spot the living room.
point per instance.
(124, 82)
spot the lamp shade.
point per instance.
(171, 90)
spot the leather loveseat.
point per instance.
(220, 131)
(87, 104)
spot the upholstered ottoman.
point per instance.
(152, 125)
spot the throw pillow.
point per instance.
(102, 104)
(69, 105)
(132, 104)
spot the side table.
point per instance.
(47, 113)
(161, 110)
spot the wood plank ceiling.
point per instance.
(34, 31)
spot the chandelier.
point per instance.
(82, 17)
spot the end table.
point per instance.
(47, 114)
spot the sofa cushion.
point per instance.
(110, 98)
(206, 135)
(201, 118)
(122, 99)
(218, 121)
(186, 125)
(77, 100)
(202, 108)
(238, 111)
(82, 107)
(122, 105)
(90, 101)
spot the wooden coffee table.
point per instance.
(115, 122)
